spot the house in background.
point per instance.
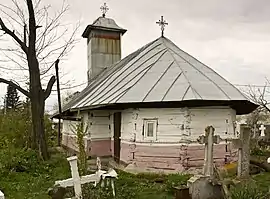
(149, 108)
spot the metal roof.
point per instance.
(157, 72)
(103, 23)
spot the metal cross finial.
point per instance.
(104, 9)
(162, 23)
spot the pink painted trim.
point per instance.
(171, 158)
(93, 148)
(101, 148)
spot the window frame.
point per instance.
(145, 129)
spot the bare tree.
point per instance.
(41, 41)
(258, 96)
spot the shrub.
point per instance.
(14, 129)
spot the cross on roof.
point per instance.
(162, 23)
(104, 9)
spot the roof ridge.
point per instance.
(158, 80)
(177, 77)
(136, 69)
(147, 69)
(193, 89)
(201, 72)
(208, 68)
(117, 68)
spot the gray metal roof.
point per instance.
(157, 72)
(103, 23)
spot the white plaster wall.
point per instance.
(221, 118)
(178, 124)
(129, 125)
(100, 124)
(68, 127)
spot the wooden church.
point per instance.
(149, 108)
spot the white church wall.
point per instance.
(68, 127)
(98, 137)
(99, 124)
(176, 124)
(170, 124)
(175, 128)
(221, 118)
(69, 138)
(128, 125)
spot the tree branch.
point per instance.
(32, 27)
(49, 87)
(25, 92)
(13, 35)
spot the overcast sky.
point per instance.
(232, 36)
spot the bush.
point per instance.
(15, 127)
(21, 161)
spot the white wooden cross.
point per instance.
(262, 129)
(76, 181)
(2, 196)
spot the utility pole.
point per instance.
(59, 103)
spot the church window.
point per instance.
(150, 129)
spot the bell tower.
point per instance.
(103, 43)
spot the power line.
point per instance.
(252, 85)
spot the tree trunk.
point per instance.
(37, 109)
(38, 136)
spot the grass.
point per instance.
(141, 186)
(25, 177)
(257, 187)
(34, 184)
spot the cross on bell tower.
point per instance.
(104, 9)
(162, 23)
